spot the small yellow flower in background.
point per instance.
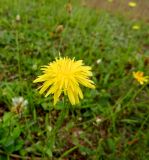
(139, 76)
(110, 0)
(132, 4)
(136, 27)
(65, 75)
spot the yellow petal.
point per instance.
(45, 86)
(56, 96)
(71, 96)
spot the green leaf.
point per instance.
(7, 117)
(19, 145)
(111, 144)
(48, 152)
(16, 132)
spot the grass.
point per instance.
(111, 122)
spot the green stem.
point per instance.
(134, 96)
(19, 56)
(119, 102)
(69, 151)
(58, 124)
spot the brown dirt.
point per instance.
(141, 11)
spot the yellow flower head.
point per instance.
(139, 76)
(132, 4)
(136, 27)
(110, 0)
(65, 75)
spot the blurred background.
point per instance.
(141, 11)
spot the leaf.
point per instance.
(10, 142)
(7, 117)
(129, 121)
(9, 145)
(48, 152)
(111, 144)
(19, 145)
(16, 132)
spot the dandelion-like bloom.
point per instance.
(139, 76)
(65, 75)
(132, 4)
(136, 27)
(110, 0)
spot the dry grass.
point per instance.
(141, 11)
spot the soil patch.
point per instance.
(141, 11)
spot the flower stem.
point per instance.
(19, 56)
(58, 124)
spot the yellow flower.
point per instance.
(139, 76)
(132, 4)
(110, 0)
(136, 27)
(65, 75)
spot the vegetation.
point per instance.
(111, 122)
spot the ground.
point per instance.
(141, 11)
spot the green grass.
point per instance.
(111, 122)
